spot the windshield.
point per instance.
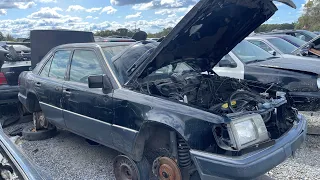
(248, 52)
(282, 45)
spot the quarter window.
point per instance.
(59, 64)
(84, 64)
(46, 68)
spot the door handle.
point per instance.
(38, 84)
(67, 91)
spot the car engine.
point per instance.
(223, 96)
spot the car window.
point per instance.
(282, 45)
(301, 36)
(261, 45)
(295, 41)
(59, 64)
(109, 52)
(248, 52)
(84, 64)
(45, 70)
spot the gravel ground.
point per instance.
(68, 156)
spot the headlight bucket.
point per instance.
(246, 131)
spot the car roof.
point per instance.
(93, 44)
(261, 37)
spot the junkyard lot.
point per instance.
(68, 156)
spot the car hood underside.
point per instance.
(209, 31)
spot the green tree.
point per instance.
(2, 38)
(9, 37)
(160, 34)
(310, 18)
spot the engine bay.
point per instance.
(223, 96)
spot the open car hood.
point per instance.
(209, 31)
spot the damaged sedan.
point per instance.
(162, 106)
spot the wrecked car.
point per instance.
(162, 106)
(296, 75)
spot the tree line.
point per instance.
(7, 37)
(129, 33)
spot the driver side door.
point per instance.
(87, 112)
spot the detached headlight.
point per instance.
(318, 82)
(246, 131)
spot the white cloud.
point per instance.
(89, 17)
(3, 12)
(173, 10)
(164, 4)
(47, 1)
(17, 4)
(108, 10)
(75, 8)
(138, 14)
(91, 10)
(96, 18)
(126, 2)
(46, 12)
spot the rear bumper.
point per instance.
(8, 94)
(254, 164)
(306, 101)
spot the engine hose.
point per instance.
(248, 96)
(183, 153)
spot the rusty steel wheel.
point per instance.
(166, 169)
(40, 121)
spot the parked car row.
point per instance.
(165, 98)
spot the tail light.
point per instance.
(3, 79)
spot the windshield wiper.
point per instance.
(256, 60)
(272, 57)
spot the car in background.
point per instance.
(273, 45)
(16, 59)
(292, 40)
(301, 34)
(296, 75)
(112, 39)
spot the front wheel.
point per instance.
(125, 168)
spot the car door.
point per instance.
(87, 112)
(48, 85)
(230, 66)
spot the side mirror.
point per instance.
(227, 63)
(100, 81)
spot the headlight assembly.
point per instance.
(242, 132)
(318, 82)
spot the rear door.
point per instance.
(88, 112)
(48, 85)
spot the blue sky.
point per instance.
(18, 17)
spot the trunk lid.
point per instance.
(208, 32)
(12, 70)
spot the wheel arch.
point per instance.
(32, 102)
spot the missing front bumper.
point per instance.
(254, 164)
